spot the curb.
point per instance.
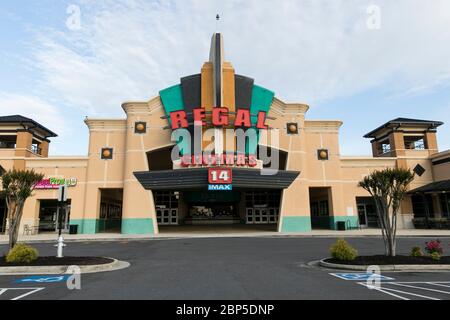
(391, 267)
(206, 236)
(41, 270)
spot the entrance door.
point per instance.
(367, 213)
(166, 205)
(262, 207)
(262, 215)
(65, 219)
(166, 216)
(362, 215)
(49, 216)
(372, 217)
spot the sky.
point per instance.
(361, 62)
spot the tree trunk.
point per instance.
(15, 224)
(391, 252)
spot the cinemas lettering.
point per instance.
(216, 160)
(220, 117)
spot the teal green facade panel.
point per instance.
(86, 226)
(296, 224)
(138, 226)
(261, 101)
(172, 99)
(350, 221)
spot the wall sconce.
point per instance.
(292, 128)
(140, 127)
(322, 154)
(107, 153)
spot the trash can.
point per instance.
(341, 226)
(73, 229)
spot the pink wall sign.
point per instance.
(54, 183)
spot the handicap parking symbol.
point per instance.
(43, 279)
(360, 276)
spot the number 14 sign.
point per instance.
(220, 176)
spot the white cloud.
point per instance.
(307, 51)
(304, 50)
(34, 108)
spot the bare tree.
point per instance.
(17, 186)
(388, 188)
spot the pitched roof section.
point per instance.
(24, 120)
(439, 186)
(430, 124)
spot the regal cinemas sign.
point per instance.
(220, 117)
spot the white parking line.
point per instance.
(390, 293)
(417, 287)
(384, 289)
(440, 284)
(32, 290)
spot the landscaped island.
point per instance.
(54, 261)
(343, 254)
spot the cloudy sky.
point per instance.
(363, 62)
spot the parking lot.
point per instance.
(227, 268)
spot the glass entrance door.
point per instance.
(367, 214)
(362, 215)
(262, 215)
(65, 219)
(167, 216)
(49, 216)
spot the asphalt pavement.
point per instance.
(228, 269)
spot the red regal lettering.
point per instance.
(199, 116)
(178, 119)
(243, 118)
(260, 124)
(220, 117)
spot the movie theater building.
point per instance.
(130, 183)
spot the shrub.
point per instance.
(22, 253)
(416, 252)
(341, 250)
(435, 256)
(434, 246)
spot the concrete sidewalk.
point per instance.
(223, 232)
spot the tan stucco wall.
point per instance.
(340, 174)
(56, 167)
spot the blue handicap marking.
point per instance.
(43, 279)
(360, 276)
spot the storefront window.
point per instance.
(445, 204)
(419, 208)
(48, 216)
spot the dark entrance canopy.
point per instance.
(183, 179)
(439, 186)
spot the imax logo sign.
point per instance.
(220, 187)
